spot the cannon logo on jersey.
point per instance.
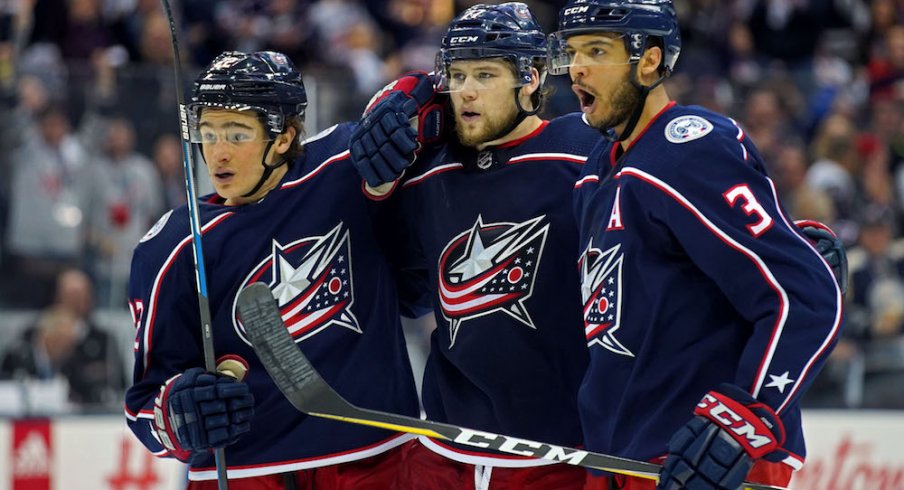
(687, 128)
(490, 268)
(601, 281)
(311, 280)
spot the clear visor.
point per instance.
(471, 69)
(585, 50)
(235, 133)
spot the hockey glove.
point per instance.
(830, 247)
(403, 117)
(716, 449)
(196, 411)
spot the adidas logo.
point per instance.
(32, 458)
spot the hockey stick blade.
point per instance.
(308, 392)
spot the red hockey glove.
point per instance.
(402, 118)
(197, 411)
(829, 246)
(716, 449)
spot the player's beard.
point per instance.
(623, 101)
(491, 129)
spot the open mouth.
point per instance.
(224, 175)
(469, 116)
(586, 98)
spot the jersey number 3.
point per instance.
(751, 206)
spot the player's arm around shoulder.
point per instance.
(400, 120)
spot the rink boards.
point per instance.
(848, 450)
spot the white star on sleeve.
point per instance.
(780, 381)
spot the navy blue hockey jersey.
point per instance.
(494, 235)
(693, 275)
(313, 241)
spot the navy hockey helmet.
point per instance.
(638, 20)
(263, 81)
(507, 30)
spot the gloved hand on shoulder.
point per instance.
(402, 118)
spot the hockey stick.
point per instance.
(308, 392)
(188, 165)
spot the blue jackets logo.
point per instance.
(311, 280)
(490, 268)
(687, 128)
(601, 281)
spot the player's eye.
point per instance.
(238, 137)
(208, 137)
(485, 75)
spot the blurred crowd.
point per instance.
(91, 156)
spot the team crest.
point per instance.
(601, 281)
(157, 227)
(687, 128)
(490, 268)
(311, 280)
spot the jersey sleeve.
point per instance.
(400, 240)
(723, 210)
(164, 305)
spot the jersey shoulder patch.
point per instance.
(157, 227)
(687, 128)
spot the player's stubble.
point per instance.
(622, 100)
(491, 127)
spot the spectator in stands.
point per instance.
(835, 167)
(167, 157)
(126, 203)
(48, 205)
(65, 342)
(789, 170)
(876, 308)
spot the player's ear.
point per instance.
(534, 82)
(648, 67)
(284, 141)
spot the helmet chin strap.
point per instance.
(521, 116)
(638, 109)
(268, 169)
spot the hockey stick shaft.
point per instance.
(308, 392)
(194, 219)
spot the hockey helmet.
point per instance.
(263, 81)
(507, 30)
(637, 20)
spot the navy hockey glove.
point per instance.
(197, 411)
(829, 246)
(403, 117)
(716, 449)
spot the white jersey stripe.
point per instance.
(155, 289)
(838, 311)
(568, 157)
(312, 173)
(433, 171)
(784, 302)
(316, 462)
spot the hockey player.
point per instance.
(701, 299)
(490, 230)
(293, 216)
